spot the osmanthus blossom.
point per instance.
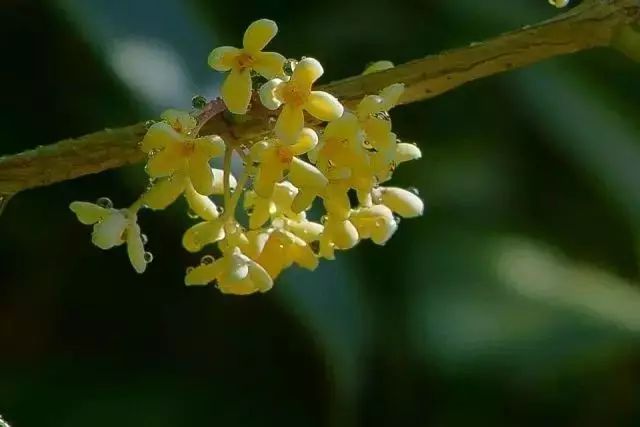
(174, 150)
(114, 227)
(295, 96)
(280, 174)
(239, 62)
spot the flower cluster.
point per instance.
(311, 187)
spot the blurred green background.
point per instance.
(513, 301)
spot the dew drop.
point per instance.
(104, 202)
(199, 102)
(397, 219)
(189, 269)
(191, 214)
(148, 257)
(207, 259)
(144, 238)
(220, 210)
(289, 66)
(414, 190)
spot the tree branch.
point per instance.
(592, 24)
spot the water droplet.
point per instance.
(414, 190)
(148, 257)
(220, 210)
(323, 219)
(289, 66)
(199, 102)
(207, 259)
(144, 238)
(397, 219)
(189, 269)
(104, 202)
(191, 214)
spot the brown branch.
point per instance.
(592, 24)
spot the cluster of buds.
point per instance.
(307, 189)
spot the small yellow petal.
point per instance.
(324, 106)
(159, 136)
(303, 256)
(261, 279)
(406, 152)
(303, 174)
(202, 234)
(391, 95)
(201, 174)
(203, 274)
(259, 34)
(307, 72)
(236, 269)
(164, 191)
(109, 232)
(223, 58)
(257, 240)
(239, 287)
(327, 248)
(135, 248)
(290, 122)
(269, 94)
(307, 141)
(165, 162)
(378, 66)
(270, 171)
(370, 104)
(269, 64)
(306, 230)
(342, 233)
(260, 212)
(303, 200)
(236, 91)
(201, 205)
(218, 181)
(336, 201)
(401, 201)
(209, 146)
(89, 213)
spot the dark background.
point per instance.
(513, 301)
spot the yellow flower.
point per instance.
(261, 209)
(277, 248)
(374, 222)
(341, 147)
(172, 151)
(275, 157)
(164, 191)
(113, 227)
(296, 96)
(234, 272)
(236, 89)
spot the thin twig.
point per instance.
(592, 24)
